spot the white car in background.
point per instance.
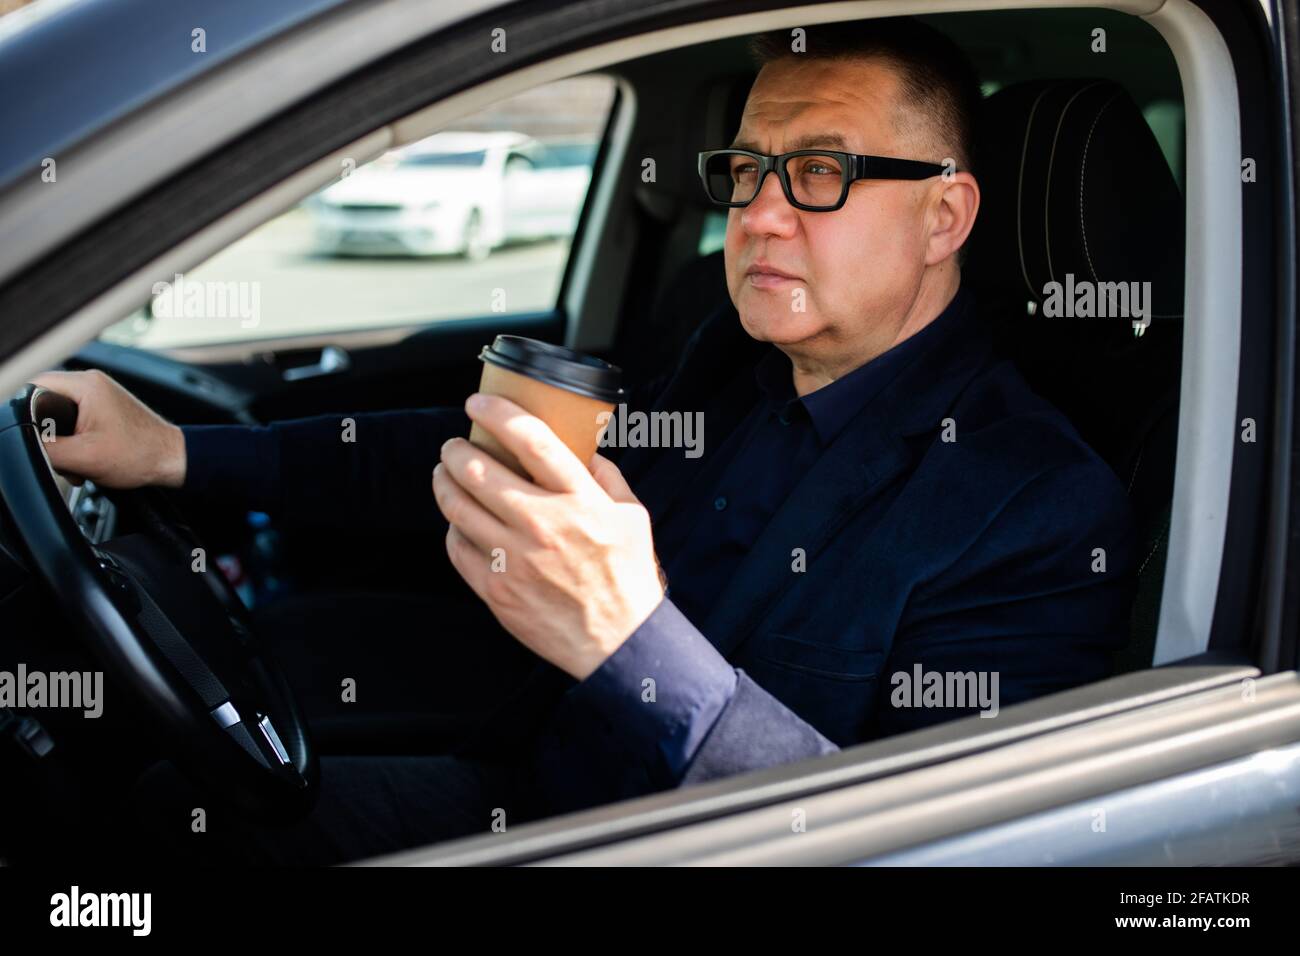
(545, 188)
(460, 193)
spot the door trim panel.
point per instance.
(1086, 762)
(1239, 813)
(660, 815)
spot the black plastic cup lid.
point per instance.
(556, 365)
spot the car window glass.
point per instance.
(469, 221)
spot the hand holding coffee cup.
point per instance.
(566, 389)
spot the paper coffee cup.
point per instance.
(566, 389)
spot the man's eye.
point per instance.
(821, 169)
(746, 169)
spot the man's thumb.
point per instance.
(73, 385)
(610, 478)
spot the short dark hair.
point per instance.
(936, 78)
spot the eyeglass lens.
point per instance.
(815, 180)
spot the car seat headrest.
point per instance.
(1074, 184)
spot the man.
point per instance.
(887, 528)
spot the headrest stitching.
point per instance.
(1051, 161)
(1020, 189)
(1083, 175)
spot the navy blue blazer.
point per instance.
(957, 525)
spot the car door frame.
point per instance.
(200, 207)
(1015, 795)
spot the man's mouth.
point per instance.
(764, 275)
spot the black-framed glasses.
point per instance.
(817, 180)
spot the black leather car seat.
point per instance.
(1073, 182)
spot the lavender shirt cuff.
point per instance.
(692, 686)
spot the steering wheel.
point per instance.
(163, 623)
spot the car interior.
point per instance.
(1082, 156)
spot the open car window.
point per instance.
(471, 221)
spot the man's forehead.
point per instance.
(827, 140)
(846, 105)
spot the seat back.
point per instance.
(1076, 191)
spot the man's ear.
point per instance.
(955, 203)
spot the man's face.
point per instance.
(860, 266)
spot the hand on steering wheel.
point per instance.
(163, 622)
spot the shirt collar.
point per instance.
(833, 406)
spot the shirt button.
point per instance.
(719, 503)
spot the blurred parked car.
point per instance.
(455, 193)
(445, 194)
(546, 187)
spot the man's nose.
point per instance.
(769, 212)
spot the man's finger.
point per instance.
(530, 440)
(611, 479)
(470, 563)
(463, 512)
(486, 480)
(75, 385)
(71, 455)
